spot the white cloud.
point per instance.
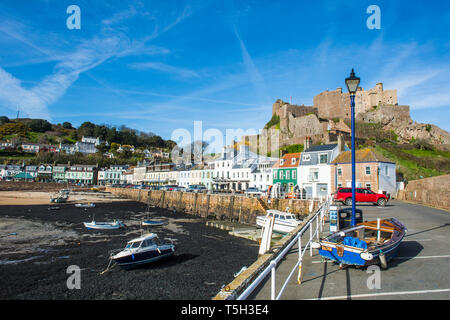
(159, 66)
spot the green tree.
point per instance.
(39, 125)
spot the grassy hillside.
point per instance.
(414, 163)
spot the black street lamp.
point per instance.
(352, 83)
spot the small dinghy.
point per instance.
(152, 223)
(104, 225)
(85, 205)
(54, 208)
(143, 250)
(370, 242)
(284, 222)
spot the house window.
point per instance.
(293, 160)
(275, 174)
(323, 158)
(339, 171)
(287, 174)
(313, 175)
(281, 162)
(386, 171)
(294, 174)
(368, 185)
(368, 170)
(281, 174)
(306, 157)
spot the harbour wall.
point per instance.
(431, 191)
(221, 207)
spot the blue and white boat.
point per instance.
(284, 222)
(152, 223)
(143, 250)
(370, 242)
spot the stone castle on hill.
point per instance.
(325, 120)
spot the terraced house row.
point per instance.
(316, 172)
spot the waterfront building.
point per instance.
(84, 174)
(285, 172)
(314, 178)
(160, 174)
(45, 173)
(372, 171)
(59, 172)
(111, 175)
(236, 171)
(8, 172)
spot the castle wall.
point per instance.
(332, 104)
(336, 104)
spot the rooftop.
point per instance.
(322, 147)
(363, 155)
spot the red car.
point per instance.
(362, 195)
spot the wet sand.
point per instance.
(37, 245)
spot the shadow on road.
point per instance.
(426, 230)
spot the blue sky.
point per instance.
(161, 65)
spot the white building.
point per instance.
(111, 175)
(237, 172)
(314, 177)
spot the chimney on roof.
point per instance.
(307, 144)
(341, 143)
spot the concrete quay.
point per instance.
(420, 270)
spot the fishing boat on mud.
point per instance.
(284, 222)
(143, 250)
(152, 223)
(58, 198)
(85, 205)
(104, 225)
(367, 243)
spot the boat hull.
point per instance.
(96, 226)
(152, 223)
(133, 260)
(278, 226)
(352, 255)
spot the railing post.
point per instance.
(310, 237)
(273, 289)
(299, 276)
(317, 224)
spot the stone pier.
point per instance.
(215, 206)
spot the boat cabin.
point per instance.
(148, 240)
(281, 215)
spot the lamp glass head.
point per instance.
(352, 82)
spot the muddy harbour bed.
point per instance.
(37, 246)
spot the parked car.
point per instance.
(362, 195)
(252, 191)
(197, 188)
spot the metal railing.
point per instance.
(319, 220)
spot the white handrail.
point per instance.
(271, 268)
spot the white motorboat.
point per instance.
(143, 250)
(284, 222)
(85, 205)
(104, 225)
